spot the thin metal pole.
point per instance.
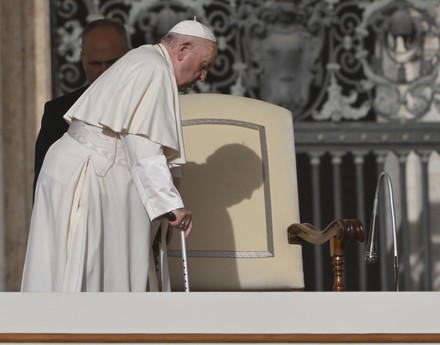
(360, 192)
(425, 223)
(336, 162)
(337, 191)
(380, 161)
(403, 158)
(315, 161)
(184, 261)
(172, 217)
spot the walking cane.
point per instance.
(171, 217)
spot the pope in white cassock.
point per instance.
(106, 185)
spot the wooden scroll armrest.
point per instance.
(338, 231)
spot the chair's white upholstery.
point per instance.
(241, 186)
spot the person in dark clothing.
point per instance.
(104, 41)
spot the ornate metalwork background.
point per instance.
(329, 60)
(360, 77)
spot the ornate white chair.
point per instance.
(240, 184)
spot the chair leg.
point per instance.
(337, 253)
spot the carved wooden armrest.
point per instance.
(338, 231)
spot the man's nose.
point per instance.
(100, 69)
(107, 65)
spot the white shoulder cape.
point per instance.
(137, 95)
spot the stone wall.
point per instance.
(25, 86)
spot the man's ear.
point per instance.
(184, 50)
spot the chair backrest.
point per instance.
(240, 184)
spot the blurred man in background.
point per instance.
(104, 41)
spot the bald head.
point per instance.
(104, 41)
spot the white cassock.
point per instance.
(103, 185)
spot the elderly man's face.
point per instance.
(101, 48)
(194, 63)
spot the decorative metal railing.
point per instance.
(352, 162)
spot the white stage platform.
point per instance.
(221, 317)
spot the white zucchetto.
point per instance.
(193, 28)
